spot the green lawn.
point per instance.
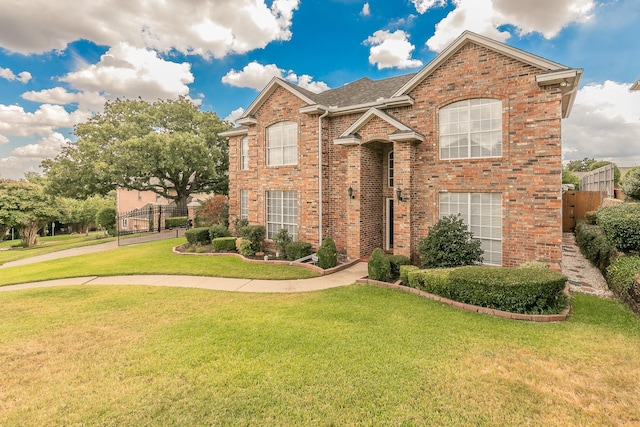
(357, 355)
(48, 245)
(149, 258)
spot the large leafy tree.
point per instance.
(168, 147)
(580, 165)
(25, 205)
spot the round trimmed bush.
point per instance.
(379, 267)
(449, 244)
(327, 254)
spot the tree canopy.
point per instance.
(168, 147)
(580, 165)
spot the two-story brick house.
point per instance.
(376, 163)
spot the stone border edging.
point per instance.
(308, 266)
(490, 311)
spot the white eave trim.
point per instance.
(556, 77)
(247, 121)
(382, 103)
(368, 116)
(234, 132)
(268, 90)
(406, 136)
(636, 85)
(347, 140)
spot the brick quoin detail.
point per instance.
(528, 173)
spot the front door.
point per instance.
(389, 225)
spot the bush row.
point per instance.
(594, 245)
(516, 290)
(385, 268)
(621, 225)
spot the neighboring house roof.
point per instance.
(636, 85)
(365, 93)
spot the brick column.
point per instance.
(352, 206)
(403, 156)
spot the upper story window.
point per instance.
(471, 128)
(390, 168)
(282, 144)
(244, 153)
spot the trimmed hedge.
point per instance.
(379, 267)
(395, 262)
(404, 273)
(297, 250)
(218, 230)
(176, 221)
(517, 290)
(594, 245)
(622, 273)
(198, 236)
(621, 225)
(327, 254)
(224, 244)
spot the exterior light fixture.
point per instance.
(564, 83)
(350, 193)
(399, 195)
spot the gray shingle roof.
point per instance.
(361, 91)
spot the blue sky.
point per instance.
(60, 61)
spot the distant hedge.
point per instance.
(517, 290)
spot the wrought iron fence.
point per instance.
(151, 222)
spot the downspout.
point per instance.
(322, 116)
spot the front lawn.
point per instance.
(357, 355)
(149, 258)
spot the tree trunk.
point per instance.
(29, 234)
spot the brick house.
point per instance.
(477, 132)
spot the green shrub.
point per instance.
(379, 267)
(218, 230)
(594, 245)
(622, 273)
(631, 183)
(591, 217)
(533, 264)
(281, 240)
(434, 280)
(176, 221)
(404, 273)
(621, 225)
(449, 244)
(297, 250)
(327, 254)
(107, 218)
(255, 234)
(395, 261)
(246, 248)
(199, 236)
(224, 244)
(238, 225)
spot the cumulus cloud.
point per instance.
(91, 101)
(15, 121)
(487, 17)
(128, 71)
(22, 77)
(423, 5)
(391, 50)
(206, 27)
(47, 147)
(256, 76)
(604, 124)
(235, 115)
(366, 10)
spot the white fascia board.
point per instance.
(368, 116)
(347, 141)
(247, 121)
(234, 132)
(267, 91)
(400, 101)
(555, 77)
(406, 136)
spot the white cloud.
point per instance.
(15, 168)
(256, 76)
(366, 10)
(15, 121)
(205, 27)
(423, 5)
(22, 77)
(235, 115)
(47, 147)
(127, 71)
(91, 101)
(391, 50)
(486, 17)
(604, 124)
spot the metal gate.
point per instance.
(151, 222)
(576, 204)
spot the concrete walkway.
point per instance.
(63, 254)
(341, 278)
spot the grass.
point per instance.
(48, 245)
(149, 258)
(357, 355)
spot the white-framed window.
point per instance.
(471, 128)
(244, 153)
(482, 212)
(244, 204)
(390, 168)
(282, 144)
(282, 212)
(125, 224)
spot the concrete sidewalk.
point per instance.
(63, 254)
(341, 278)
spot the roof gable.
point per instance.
(402, 132)
(271, 87)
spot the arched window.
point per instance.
(471, 128)
(282, 144)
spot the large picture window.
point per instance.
(282, 212)
(244, 204)
(282, 144)
(471, 128)
(482, 212)
(244, 154)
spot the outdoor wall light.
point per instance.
(564, 82)
(399, 195)
(350, 193)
